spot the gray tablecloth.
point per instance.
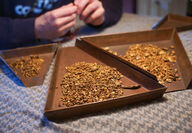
(21, 108)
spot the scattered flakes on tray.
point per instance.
(109, 50)
(28, 66)
(90, 82)
(157, 60)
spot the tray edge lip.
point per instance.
(163, 89)
(51, 45)
(157, 25)
(123, 33)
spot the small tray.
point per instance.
(161, 38)
(67, 56)
(46, 52)
(181, 23)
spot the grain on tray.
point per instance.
(28, 66)
(159, 61)
(90, 82)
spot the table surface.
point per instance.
(21, 108)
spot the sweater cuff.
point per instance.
(23, 31)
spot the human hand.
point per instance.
(90, 11)
(55, 23)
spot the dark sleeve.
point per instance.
(16, 32)
(113, 12)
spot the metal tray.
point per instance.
(181, 23)
(165, 38)
(67, 56)
(44, 51)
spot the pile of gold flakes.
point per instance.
(28, 66)
(89, 82)
(156, 60)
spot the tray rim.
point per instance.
(106, 100)
(53, 45)
(170, 15)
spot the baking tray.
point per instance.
(181, 23)
(67, 56)
(45, 51)
(162, 38)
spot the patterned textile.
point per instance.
(21, 108)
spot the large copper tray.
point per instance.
(161, 38)
(67, 56)
(46, 52)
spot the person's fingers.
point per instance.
(57, 22)
(81, 5)
(98, 14)
(66, 27)
(98, 21)
(63, 11)
(90, 9)
(64, 20)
